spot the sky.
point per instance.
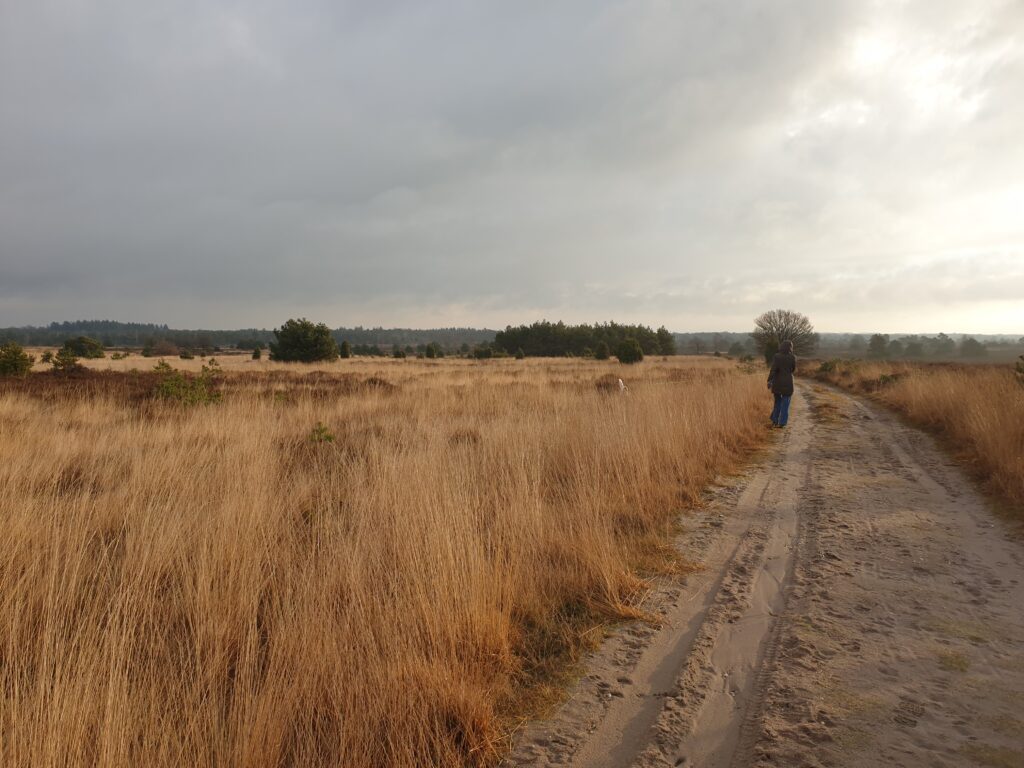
(474, 163)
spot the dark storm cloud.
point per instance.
(467, 162)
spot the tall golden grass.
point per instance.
(216, 586)
(979, 409)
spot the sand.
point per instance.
(859, 604)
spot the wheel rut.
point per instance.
(697, 673)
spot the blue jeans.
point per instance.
(780, 413)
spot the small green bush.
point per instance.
(46, 357)
(179, 387)
(83, 346)
(321, 434)
(601, 351)
(186, 354)
(14, 360)
(520, 355)
(257, 353)
(65, 360)
(828, 366)
(345, 351)
(303, 341)
(629, 351)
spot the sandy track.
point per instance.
(859, 605)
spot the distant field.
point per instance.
(979, 409)
(379, 563)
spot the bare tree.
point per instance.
(779, 325)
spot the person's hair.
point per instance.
(787, 346)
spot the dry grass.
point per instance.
(979, 409)
(209, 586)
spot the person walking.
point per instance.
(780, 382)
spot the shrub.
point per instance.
(46, 357)
(160, 348)
(971, 347)
(321, 434)
(520, 355)
(65, 361)
(828, 366)
(83, 346)
(878, 346)
(257, 353)
(601, 351)
(186, 354)
(629, 352)
(345, 351)
(179, 387)
(398, 353)
(483, 352)
(303, 341)
(666, 341)
(14, 360)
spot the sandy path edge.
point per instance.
(852, 582)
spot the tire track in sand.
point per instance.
(696, 675)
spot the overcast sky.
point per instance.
(420, 163)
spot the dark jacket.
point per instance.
(780, 377)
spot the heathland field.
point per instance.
(382, 563)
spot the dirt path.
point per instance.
(859, 605)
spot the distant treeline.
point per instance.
(537, 340)
(449, 338)
(940, 346)
(711, 342)
(112, 333)
(116, 334)
(546, 339)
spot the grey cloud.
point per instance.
(482, 163)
